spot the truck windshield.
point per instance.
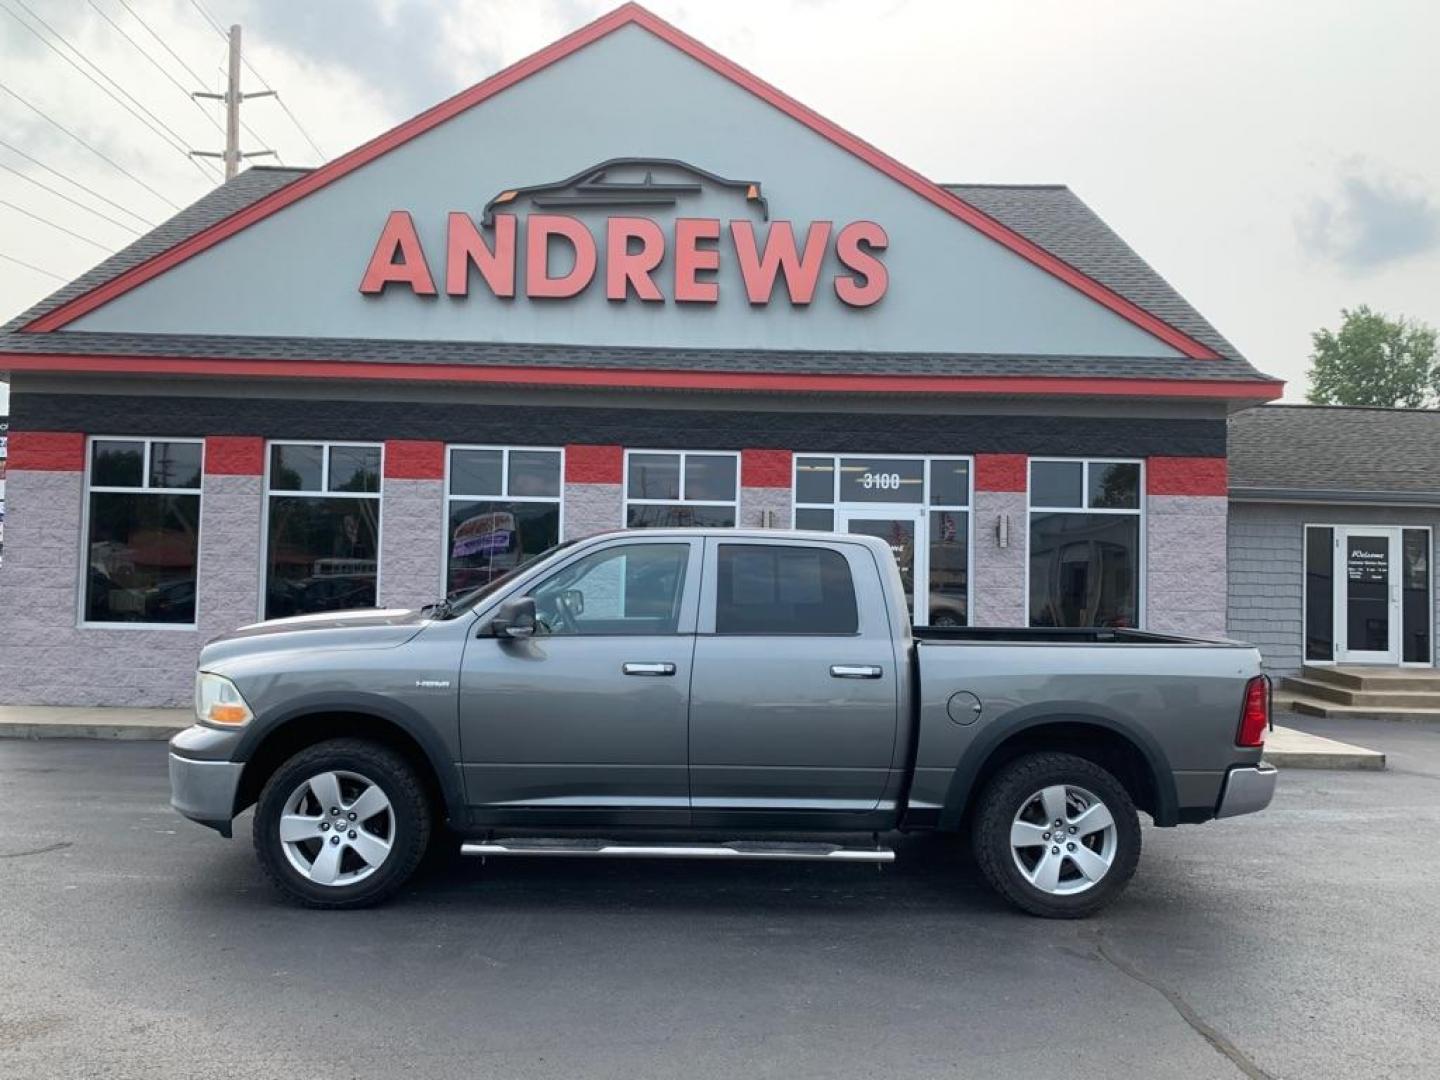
(465, 601)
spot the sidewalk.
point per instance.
(1285, 748)
(56, 722)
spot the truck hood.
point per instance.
(367, 628)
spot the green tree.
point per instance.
(1374, 360)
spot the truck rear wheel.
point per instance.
(342, 824)
(1056, 835)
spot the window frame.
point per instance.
(447, 497)
(968, 509)
(145, 488)
(267, 493)
(627, 501)
(1138, 511)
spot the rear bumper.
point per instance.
(1248, 788)
(204, 791)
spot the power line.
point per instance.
(103, 157)
(157, 127)
(261, 79)
(74, 202)
(62, 228)
(213, 24)
(156, 64)
(76, 183)
(30, 266)
(197, 79)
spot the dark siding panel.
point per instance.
(700, 428)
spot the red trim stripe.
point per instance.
(1186, 476)
(47, 451)
(414, 459)
(1001, 472)
(594, 464)
(763, 382)
(234, 455)
(765, 468)
(606, 24)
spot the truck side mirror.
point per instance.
(514, 619)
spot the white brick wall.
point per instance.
(592, 508)
(998, 587)
(754, 501)
(412, 528)
(1185, 558)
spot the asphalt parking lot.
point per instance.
(1292, 944)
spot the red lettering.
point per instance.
(801, 271)
(465, 245)
(539, 228)
(625, 268)
(854, 247)
(691, 259)
(398, 237)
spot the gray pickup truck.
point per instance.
(719, 694)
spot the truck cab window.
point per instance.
(762, 589)
(634, 589)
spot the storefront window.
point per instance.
(502, 507)
(681, 488)
(142, 530)
(323, 527)
(1319, 593)
(1415, 596)
(1085, 543)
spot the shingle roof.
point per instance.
(1333, 451)
(1047, 215)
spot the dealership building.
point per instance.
(622, 283)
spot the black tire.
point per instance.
(410, 822)
(1002, 800)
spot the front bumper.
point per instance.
(204, 791)
(1248, 788)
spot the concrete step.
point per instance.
(1368, 697)
(1355, 677)
(1310, 706)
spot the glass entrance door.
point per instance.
(903, 528)
(1368, 595)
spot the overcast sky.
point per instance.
(1275, 161)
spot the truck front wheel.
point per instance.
(342, 824)
(1056, 835)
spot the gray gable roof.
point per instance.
(1335, 453)
(1047, 215)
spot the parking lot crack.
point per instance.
(36, 851)
(1187, 1013)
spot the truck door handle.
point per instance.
(855, 671)
(632, 668)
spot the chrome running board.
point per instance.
(734, 849)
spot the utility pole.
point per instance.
(232, 99)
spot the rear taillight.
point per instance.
(1255, 714)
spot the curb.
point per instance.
(110, 732)
(1357, 761)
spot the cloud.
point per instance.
(1371, 221)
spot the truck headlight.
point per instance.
(218, 701)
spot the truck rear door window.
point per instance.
(762, 589)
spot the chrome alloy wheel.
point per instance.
(1063, 839)
(337, 828)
